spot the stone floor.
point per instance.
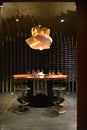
(37, 118)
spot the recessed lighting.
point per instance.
(1, 4)
(62, 20)
(12, 93)
(17, 20)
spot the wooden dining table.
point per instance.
(40, 76)
(48, 79)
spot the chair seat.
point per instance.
(58, 88)
(22, 89)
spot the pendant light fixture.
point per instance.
(40, 39)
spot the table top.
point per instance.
(40, 77)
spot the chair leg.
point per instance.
(23, 108)
(59, 110)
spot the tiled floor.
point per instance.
(37, 118)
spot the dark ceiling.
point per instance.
(26, 21)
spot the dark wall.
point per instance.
(18, 57)
(82, 65)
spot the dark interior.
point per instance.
(11, 57)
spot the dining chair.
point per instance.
(22, 97)
(59, 89)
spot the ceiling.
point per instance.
(48, 9)
(30, 14)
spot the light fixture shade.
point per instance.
(40, 38)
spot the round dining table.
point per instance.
(47, 79)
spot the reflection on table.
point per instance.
(40, 76)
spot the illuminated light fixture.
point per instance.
(17, 20)
(40, 39)
(62, 20)
(18, 14)
(1, 4)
